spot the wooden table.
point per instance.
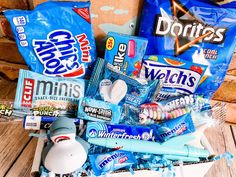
(17, 150)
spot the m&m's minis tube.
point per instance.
(199, 31)
(97, 110)
(41, 95)
(125, 52)
(56, 38)
(111, 161)
(178, 76)
(175, 127)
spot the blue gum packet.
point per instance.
(56, 38)
(97, 110)
(125, 52)
(138, 91)
(178, 76)
(175, 127)
(41, 95)
(102, 130)
(111, 161)
(196, 30)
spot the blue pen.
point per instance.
(149, 147)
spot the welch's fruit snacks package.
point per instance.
(195, 30)
(178, 76)
(56, 38)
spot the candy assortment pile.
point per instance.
(149, 94)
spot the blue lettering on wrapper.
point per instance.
(57, 53)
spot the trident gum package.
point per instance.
(197, 30)
(40, 95)
(56, 38)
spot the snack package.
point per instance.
(40, 95)
(56, 38)
(175, 127)
(125, 52)
(43, 122)
(111, 161)
(171, 108)
(102, 130)
(197, 30)
(109, 84)
(6, 109)
(97, 110)
(178, 76)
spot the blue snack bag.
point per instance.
(175, 127)
(102, 130)
(195, 30)
(56, 38)
(125, 52)
(179, 76)
(97, 110)
(111, 161)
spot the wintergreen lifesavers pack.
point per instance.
(56, 38)
(195, 30)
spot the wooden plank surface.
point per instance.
(221, 139)
(14, 4)
(22, 166)
(13, 140)
(9, 52)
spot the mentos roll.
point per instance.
(56, 38)
(194, 30)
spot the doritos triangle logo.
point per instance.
(186, 28)
(83, 12)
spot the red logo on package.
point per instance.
(83, 12)
(27, 94)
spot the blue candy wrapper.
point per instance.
(195, 30)
(102, 130)
(125, 52)
(56, 38)
(97, 110)
(40, 95)
(111, 161)
(175, 127)
(43, 122)
(171, 108)
(179, 76)
(138, 91)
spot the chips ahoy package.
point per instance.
(125, 52)
(56, 38)
(195, 30)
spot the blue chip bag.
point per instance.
(125, 52)
(56, 38)
(194, 30)
(179, 76)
